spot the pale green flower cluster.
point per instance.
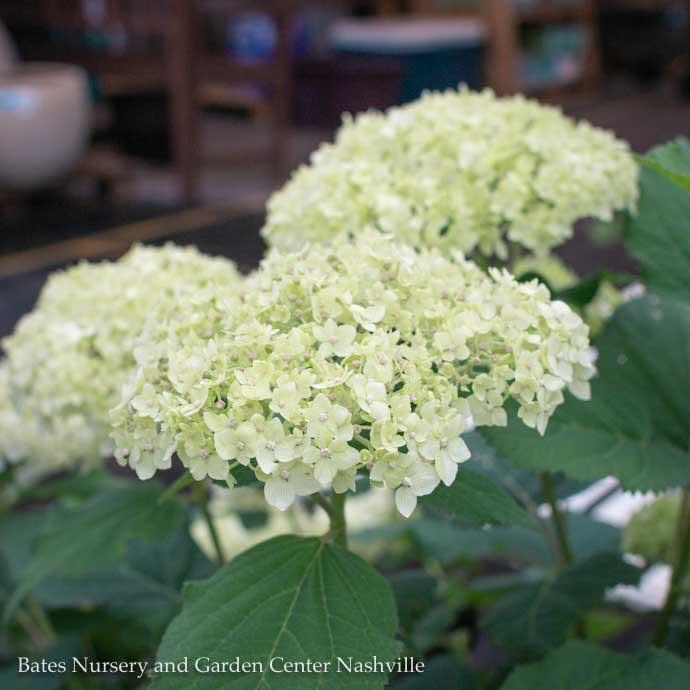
(651, 532)
(457, 170)
(68, 359)
(356, 355)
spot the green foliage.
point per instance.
(441, 673)
(96, 534)
(659, 235)
(291, 597)
(415, 594)
(146, 586)
(109, 560)
(537, 618)
(524, 484)
(578, 665)
(447, 542)
(474, 498)
(671, 160)
(637, 425)
(63, 651)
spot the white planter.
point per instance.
(8, 54)
(45, 117)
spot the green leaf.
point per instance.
(589, 537)
(18, 531)
(671, 160)
(72, 488)
(60, 653)
(428, 631)
(604, 625)
(95, 534)
(659, 235)
(581, 666)
(474, 498)
(524, 484)
(415, 594)
(441, 673)
(538, 617)
(288, 597)
(581, 294)
(146, 586)
(637, 424)
(447, 542)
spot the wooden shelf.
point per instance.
(505, 19)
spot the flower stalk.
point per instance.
(203, 495)
(335, 509)
(680, 568)
(564, 550)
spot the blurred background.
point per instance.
(152, 120)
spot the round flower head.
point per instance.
(358, 355)
(457, 170)
(68, 359)
(651, 532)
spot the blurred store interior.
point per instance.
(128, 120)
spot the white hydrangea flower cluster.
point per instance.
(68, 359)
(457, 170)
(355, 355)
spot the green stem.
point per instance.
(335, 509)
(338, 521)
(25, 622)
(180, 483)
(565, 553)
(41, 618)
(680, 569)
(363, 440)
(203, 496)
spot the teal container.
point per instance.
(434, 54)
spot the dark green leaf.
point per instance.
(146, 586)
(96, 534)
(61, 652)
(582, 666)
(72, 488)
(524, 484)
(659, 235)
(589, 537)
(18, 530)
(580, 295)
(441, 673)
(430, 628)
(288, 597)
(537, 618)
(447, 542)
(671, 160)
(637, 425)
(474, 498)
(415, 594)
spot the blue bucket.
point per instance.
(434, 54)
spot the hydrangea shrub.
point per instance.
(67, 359)
(457, 170)
(357, 355)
